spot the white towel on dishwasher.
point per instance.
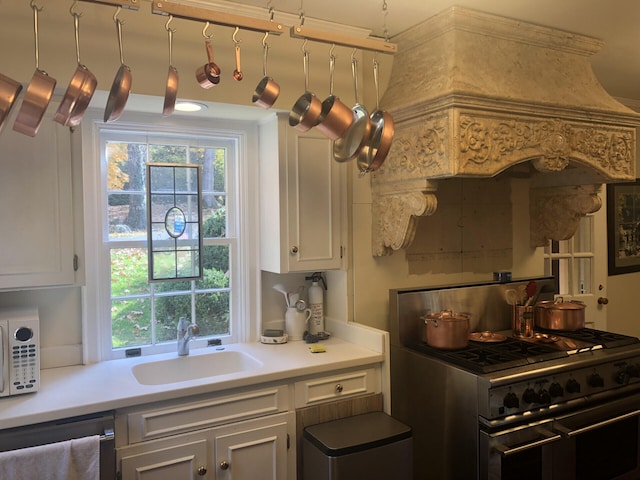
(77, 459)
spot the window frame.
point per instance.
(96, 292)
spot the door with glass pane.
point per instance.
(580, 266)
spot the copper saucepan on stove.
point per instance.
(446, 330)
(121, 86)
(268, 90)
(81, 87)
(39, 91)
(560, 315)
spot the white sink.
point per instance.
(193, 367)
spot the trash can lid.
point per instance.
(357, 433)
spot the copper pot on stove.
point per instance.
(446, 330)
(560, 315)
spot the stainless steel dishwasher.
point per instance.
(67, 429)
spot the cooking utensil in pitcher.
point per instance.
(81, 87)
(39, 91)
(171, 90)
(121, 86)
(349, 145)
(268, 90)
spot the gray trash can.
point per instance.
(372, 446)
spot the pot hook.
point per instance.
(204, 31)
(170, 32)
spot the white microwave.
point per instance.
(19, 351)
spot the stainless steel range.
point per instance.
(565, 405)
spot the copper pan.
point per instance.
(80, 90)
(171, 91)
(305, 113)
(121, 86)
(374, 153)
(354, 139)
(267, 91)
(9, 91)
(335, 117)
(38, 94)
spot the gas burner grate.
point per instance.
(597, 337)
(486, 358)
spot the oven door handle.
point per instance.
(549, 437)
(568, 433)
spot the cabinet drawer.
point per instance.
(171, 419)
(348, 384)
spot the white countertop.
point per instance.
(78, 390)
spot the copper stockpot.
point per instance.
(446, 330)
(560, 315)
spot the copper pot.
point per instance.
(38, 94)
(9, 91)
(560, 315)
(121, 86)
(267, 91)
(446, 330)
(305, 113)
(80, 90)
(335, 117)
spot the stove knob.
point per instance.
(529, 396)
(594, 380)
(543, 397)
(511, 400)
(556, 390)
(573, 386)
(623, 377)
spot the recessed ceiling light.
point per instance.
(183, 106)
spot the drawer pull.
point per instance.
(224, 465)
(202, 471)
(339, 388)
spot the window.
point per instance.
(133, 312)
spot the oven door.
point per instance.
(519, 453)
(599, 443)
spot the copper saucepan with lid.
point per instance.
(268, 90)
(446, 330)
(38, 94)
(560, 315)
(81, 87)
(121, 86)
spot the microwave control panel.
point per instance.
(20, 344)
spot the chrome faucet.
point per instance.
(186, 331)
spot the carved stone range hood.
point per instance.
(475, 95)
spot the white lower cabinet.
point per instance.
(249, 450)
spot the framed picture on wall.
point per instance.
(623, 227)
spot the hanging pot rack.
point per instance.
(130, 4)
(372, 44)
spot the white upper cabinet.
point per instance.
(36, 218)
(301, 206)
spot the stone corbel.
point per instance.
(395, 218)
(556, 211)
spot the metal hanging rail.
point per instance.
(195, 13)
(130, 4)
(300, 31)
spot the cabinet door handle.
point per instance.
(294, 250)
(224, 465)
(339, 388)
(202, 471)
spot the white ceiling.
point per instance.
(617, 22)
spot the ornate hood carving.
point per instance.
(476, 95)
